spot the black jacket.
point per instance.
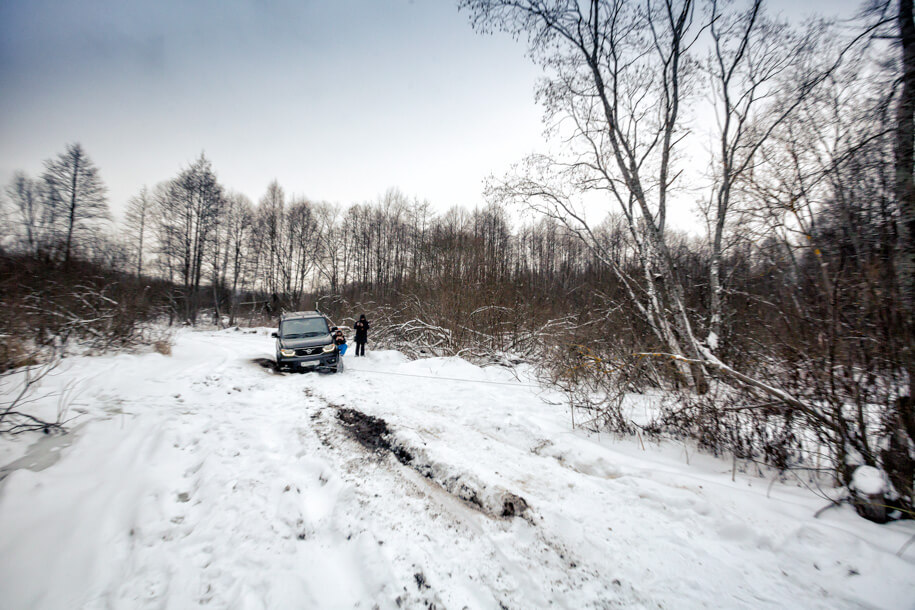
(362, 330)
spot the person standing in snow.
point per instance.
(362, 334)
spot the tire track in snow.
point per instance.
(245, 517)
(247, 492)
(498, 558)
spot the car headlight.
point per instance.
(329, 348)
(287, 353)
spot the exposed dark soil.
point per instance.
(371, 432)
(266, 363)
(513, 506)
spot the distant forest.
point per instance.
(783, 335)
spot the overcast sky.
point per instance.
(336, 99)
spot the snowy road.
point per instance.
(203, 478)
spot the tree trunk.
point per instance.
(72, 218)
(905, 182)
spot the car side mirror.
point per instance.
(274, 335)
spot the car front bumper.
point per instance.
(304, 363)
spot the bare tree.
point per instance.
(749, 54)
(823, 203)
(30, 212)
(304, 245)
(620, 74)
(761, 73)
(136, 224)
(271, 227)
(188, 208)
(332, 250)
(238, 228)
(905, 180)
(75, 190)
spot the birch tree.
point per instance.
(271, 226)
(239, 228)
(619, 74)
(304, 244)
(136, 223)
(749, 54)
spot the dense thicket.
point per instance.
(787, 327)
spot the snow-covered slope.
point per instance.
(204, 478)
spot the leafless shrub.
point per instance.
(45, 304)
(19, 390)
(87, 314)
(746, 426)
(399, 328)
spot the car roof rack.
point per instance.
(300, 314)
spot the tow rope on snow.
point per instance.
(517, 385)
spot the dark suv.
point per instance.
(304, 342)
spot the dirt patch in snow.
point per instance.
(266, 363)
(373, 434)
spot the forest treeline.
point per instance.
(785, 331)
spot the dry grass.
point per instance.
(13, 354)
(163, 346)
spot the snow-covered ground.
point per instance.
(203, 478)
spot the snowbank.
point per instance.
(204, 478)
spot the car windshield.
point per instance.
(303, 327)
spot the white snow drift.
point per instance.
(205, 479)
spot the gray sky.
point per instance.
(336, 99)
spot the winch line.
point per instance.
(516, 385)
